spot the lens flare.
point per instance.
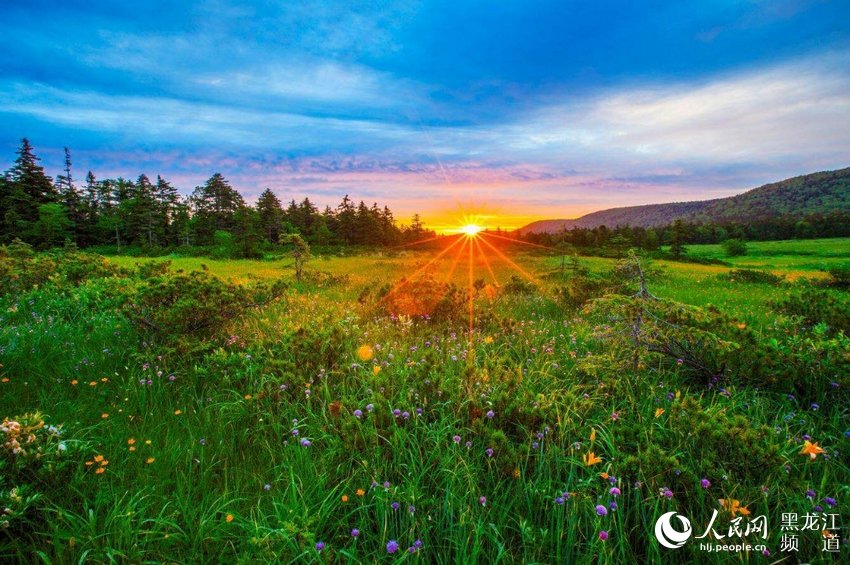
(471, 230)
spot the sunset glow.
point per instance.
(471, 230)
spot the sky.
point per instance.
(505, 111)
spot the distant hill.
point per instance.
(799, 196)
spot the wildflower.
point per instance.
(405, 415)
(74, 382)
(320, 545)
(456, 439)
(615, 416)
(491, 414)
(150, 460)
(666, 492)
(370, 407)
(229, 518)
(659, 412)
(202, 441)
(131, 441)
(376, 369)
(360, 492)
(811, 494)
(812, 449)
(815, 406)
(178, 412)
(559, 500)
(386, 485)
(392, 546)
(355, 533)
(344, 498)
(358, 413)
(705, 483)
(613, 506)
(267, 487)
(482, 500)
(829, 501)
(593, 435)
(411, 509)
(734, 507)
(395, 505)
(614, 491)
(603, 535)
(365, 353)
(601, 510)
(104, 415)
(489, 451)
(305, 442)
(591, 458)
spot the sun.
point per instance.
(471, 230)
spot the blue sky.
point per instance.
(517, 110)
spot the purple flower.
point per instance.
(305, 442)
(559, 500)
(705, 483)
(418, 411)
(396, 413)
(815, 406)
(392, 546)
(386, 484)
(603, 535)
(418, 544)
(614, 491)
(320, 545)
(830, 501)
(405, 415)
(847, 434)
(810, 494)
(456, 439)
(601, 510)
(358, 413)
(482, 500)
(489, 451)
(818, 508)
(395, 505)
(411, 509)
(491, 414)
(534, 445)
(355, 533)
(295, 432)
(370, 407)
(666, 492)
(613, 506)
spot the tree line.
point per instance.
(151, 213)
(677, 234)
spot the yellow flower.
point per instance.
(132, 448)
(365, 353)
(178, 412)
(345, 498)
(93, 383)
(131, 441)
(812, 449)
(591, 458)
(360, 492)
(593, 434)
(104, 415)
(98, 458)
(376, 369)
(100, 470)
(488, 339)
(248, 397)
(604, 476)
(74, 382)
(659, 412)
(734, 507)
(150, 460)
(229, 518)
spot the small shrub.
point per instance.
(752, 276)
(734, 247)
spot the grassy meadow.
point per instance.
(490, 407)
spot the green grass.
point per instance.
(216, 473)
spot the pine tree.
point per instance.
(71, 199)
(27, 188)
(271, 215)
(214, 206)
(677, 239)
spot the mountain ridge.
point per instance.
(819, 192)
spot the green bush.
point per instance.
(734, 247)
(752, 276)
